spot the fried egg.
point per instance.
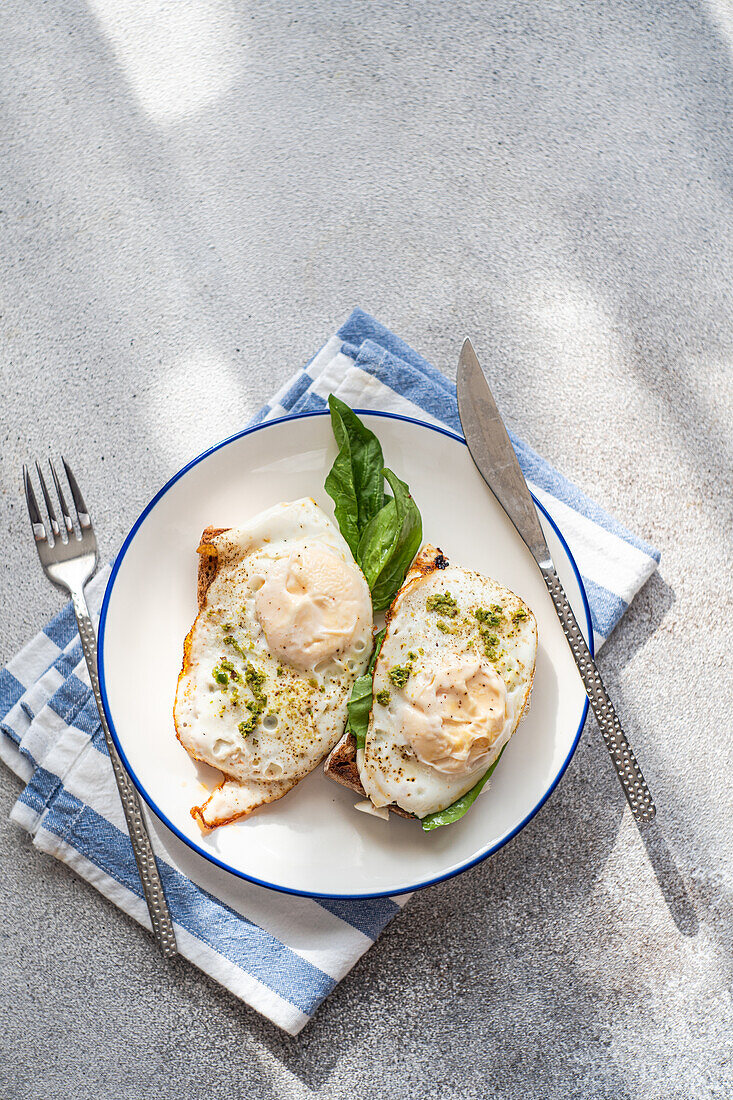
(284, 630)
(451, 682)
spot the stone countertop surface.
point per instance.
(194, 195)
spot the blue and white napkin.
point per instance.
(279, 953)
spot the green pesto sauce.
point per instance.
(492, 617)
(257, 703)
(383, 697)
(229, 667)
(232, 641)
(400, 674)
(491, 642)
(444, 603)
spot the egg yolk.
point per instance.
(312, 605)
(453, 717)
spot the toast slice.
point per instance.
(231, 799)
(342, 764)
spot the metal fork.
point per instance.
(69, 560)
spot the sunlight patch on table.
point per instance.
(194, 401)
(177, 57)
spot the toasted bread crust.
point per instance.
(429, 560)
(208, 562)
(341, 767)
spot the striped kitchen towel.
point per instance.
(279, 953)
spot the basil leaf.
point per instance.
(360, 707)
(458, 808)
(360, 703)
(355, 481)
(389, 543)
(378, 639)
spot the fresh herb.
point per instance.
(444, 603)
(360, 703)
(383, 697)
(458, 808)
(356, 479)
(360, 707)
(383, 532)
(389, 543)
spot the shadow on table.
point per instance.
(669, 878)
(642, 620)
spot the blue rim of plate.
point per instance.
(159, 813)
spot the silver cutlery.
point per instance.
(69, 559)
(493, 454)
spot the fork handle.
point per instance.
(141, 846)
(617, 743)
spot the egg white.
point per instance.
(305, 710)
(389, 770)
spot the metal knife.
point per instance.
(493, 454)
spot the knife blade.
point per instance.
(495, 459)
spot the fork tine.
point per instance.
(39, 531)
(81, 508)
(68, 522)
(49, 502)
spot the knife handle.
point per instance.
(621, 752)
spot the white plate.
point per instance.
(313, 841)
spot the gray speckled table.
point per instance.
(194, 194)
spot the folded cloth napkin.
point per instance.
(279, 953)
